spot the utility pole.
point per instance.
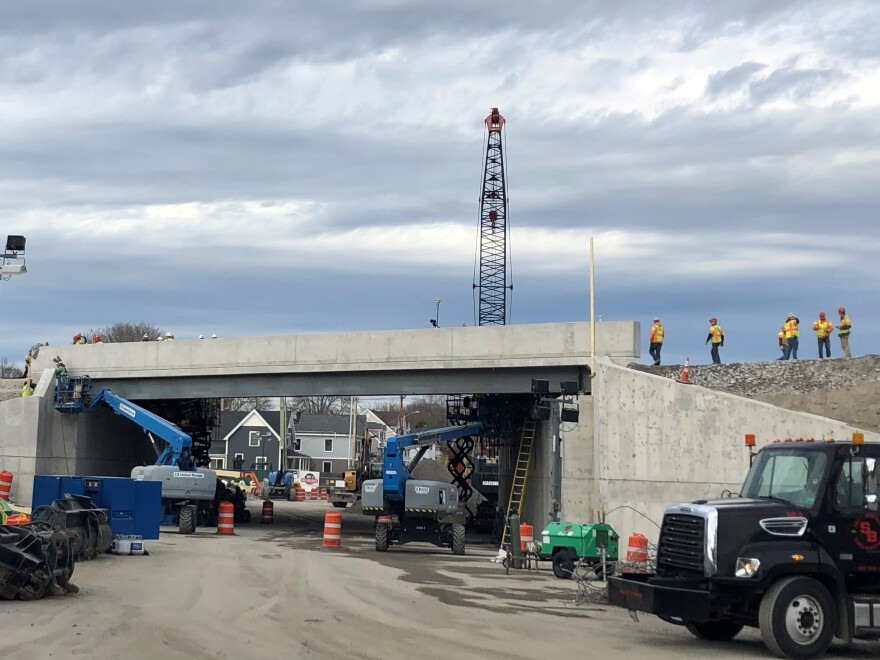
(283, 435)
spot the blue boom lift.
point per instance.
(187, 489)
(409, 509)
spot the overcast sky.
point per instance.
(268, 168)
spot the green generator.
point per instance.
(565, 543)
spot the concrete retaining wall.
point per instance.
(657, 442)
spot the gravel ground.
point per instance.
(272, 592)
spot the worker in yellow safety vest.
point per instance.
(655, 339)
(716, 336)
(823, 328)
(843, 330)
(792, 334)
(27, 389)
(783, 344)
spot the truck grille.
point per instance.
(682, 540)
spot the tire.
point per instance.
(563, 565)
(797, 618)
(458, 539)
(381, 537)
(714, 631)
(340, 505)
(187, 519)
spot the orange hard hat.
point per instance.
(77, 336)
(841, 310)
(821, 315)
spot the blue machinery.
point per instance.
(73, 395)
(188, 491)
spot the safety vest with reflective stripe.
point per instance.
(656, 334)
(843, 328)
(716, 332)
(823, 328)
(791, 328)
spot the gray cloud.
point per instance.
(354, 117)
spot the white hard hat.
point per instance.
(213, 336)
(168, 334)
(160, 338)
(201, 336)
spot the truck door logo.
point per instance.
(866, 532)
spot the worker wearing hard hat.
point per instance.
(716, 336)
(146, 337)
(655, 341)
(78, 339)
(823, 328)
(843, 330)
(792, 335)
(169, 336)
(97, 340)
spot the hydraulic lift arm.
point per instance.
(74, 395)
(396, 472)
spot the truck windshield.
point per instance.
(791, 476)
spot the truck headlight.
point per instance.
(746, 567)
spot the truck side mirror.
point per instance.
(871, 503)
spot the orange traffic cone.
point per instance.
(684, 378)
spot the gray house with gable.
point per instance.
(327, 441)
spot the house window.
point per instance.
(218, 462)
(260, 463)
(254, 439)
(238, 461)
(326, 466)
(328, 444)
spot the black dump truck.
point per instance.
(796, 554)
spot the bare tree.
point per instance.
(247, 403)
(123, 332)
(8, 369)
(320, 405)
(426, 412)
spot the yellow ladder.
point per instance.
(520, 476)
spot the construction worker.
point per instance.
(716, 336)
(783, 344)
(823, 328)
(169, 336)
(27, 366)
(792, 334)
(97, 340)
(655, 340)
(843, 330)
(78, 339)
(28, 388)
(146, 337)
(160, 338)
(60, 369)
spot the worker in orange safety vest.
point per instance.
(716, 336)
(823, 328)
(655, 340)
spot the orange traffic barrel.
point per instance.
(526, 536)
(226, 518)
(268, 513)
(5, 484)
(637, 553)
(300, 494)
(332, 529)
(323, 493)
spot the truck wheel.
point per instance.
(340, 505)
(187, 522)
(797, 618)
(458, 539)
(714, 631)
(381, 537)
(563, 565)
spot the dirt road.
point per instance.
(271, 592)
